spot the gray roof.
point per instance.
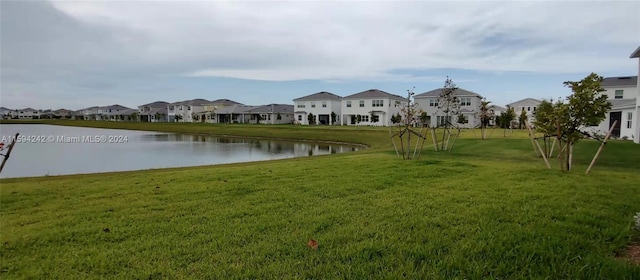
(27, 109)
(234, 109)
(155, 111)
(526, 99)
(4, 108)
(156, 104)
(116, 107)
(438, 91)
(497, 108)
(374, 93)
(226, 102)
(635, 53)
(323, 95)
(273, 108)
(126, 112)
(622, 103)
(619, 81)
(192, 102)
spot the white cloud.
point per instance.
(338, 40)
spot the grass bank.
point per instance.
(488, 209)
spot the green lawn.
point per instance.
(488, 209)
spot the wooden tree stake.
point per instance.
(604, 142)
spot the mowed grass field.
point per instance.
(487, 209)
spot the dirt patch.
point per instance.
(632, 253)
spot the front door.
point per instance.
(615, 116)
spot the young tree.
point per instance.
(462, 119)
(584, 107)
(486, 114)
(448, 105)
(311, 119)
(424, 118)
(545, 123)
(278, 116)
(523, 118)
(258, 118)
(333, 117)
(134, 116)
(373, 117)
(177, 118)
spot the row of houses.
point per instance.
(371, 107)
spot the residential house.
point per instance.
(194, 110)
(46, 114)
(62, 114)
(209, 112)
(112, 112)
(28, 113)
(635, 122)
(234, 114)
(90, 113)
(125, 115)
(272, 114)
(622, 93)
(529, 105)
(470, 103)
(153, 112)
(6, 113)
(374, 107)
(324, 105)
(497, 111)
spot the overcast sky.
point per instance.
(72, 55)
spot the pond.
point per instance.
(59, 150)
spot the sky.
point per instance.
(77, 54)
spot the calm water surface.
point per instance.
(58, 150)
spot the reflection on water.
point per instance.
(141, 150)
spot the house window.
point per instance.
(534, 109)
(528, 109)
(365, 118)
(171, 108)
(324, 104)
(619, 94)
(465, 101)
(348, 104)
(442, 120)
(377, 103)
(300, 105)
(299, 117)
(361, 103)
(433, 102)
(313, 104)
(375, 118)
(629, 118)
(188, 108)
(180, 108)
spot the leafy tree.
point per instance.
(462, 119)
(545, 123)
(498, 121)
(584, 107)
(258, 118)
(358, 118)
(448, 105)
(178, 118)
(333, 117)
(373, 117)
(486, 114)
(311, 119)
(195, 116)
(424, 118)
(522, 119)
(278, 116)
(134, 116)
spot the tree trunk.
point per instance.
(570, 156)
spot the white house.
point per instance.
(323, 105)
(272, 114)
(636, 121)
(187, 111)
(6, 113)
(375, 107)
(529, 105)
(153, 112)
(28, 113)
(469, 107)
(497, 111)
(622, 93)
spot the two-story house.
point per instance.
(429, 102)
(62, 114)
(622, 93)
(28, 113)
(371, 107)
(187, 111)
(153, 112)
(325, 106)
(635, 121)
(6, 113)
(528, 105)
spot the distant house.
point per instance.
(272, 114)
(28, 113)
(622, 93)
(635, 122)
(153, 112)
(187, 111)
(112, 112)
(529, 105)
(127, 115)
(324, 105)
(5, 113)
(234, 114)
(469, 108)
(497, 111)
(62, 114)
(374, 107)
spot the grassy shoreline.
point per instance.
(487, 209)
